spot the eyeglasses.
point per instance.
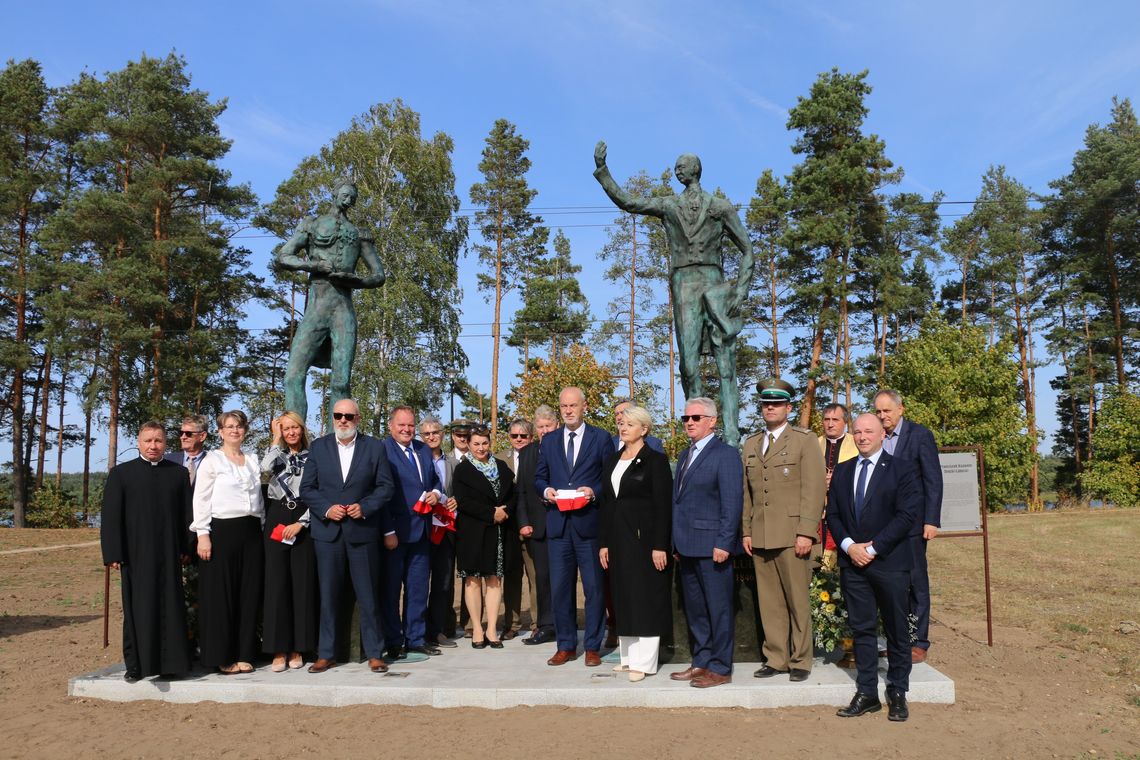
(520, 435)
(695, 417)
(349, 416)
(431, 432)
(189, 433)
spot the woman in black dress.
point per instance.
(635, 523)
(483, 486)
(289, 622)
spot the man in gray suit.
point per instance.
(441, 593)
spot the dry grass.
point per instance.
(1069, 577)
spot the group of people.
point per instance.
(399, 519)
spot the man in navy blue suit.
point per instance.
(872, 503)
(708, 496)
(346, 484)
(571, 458)
(407, 537)
(913, 442)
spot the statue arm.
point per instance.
(622, 199)
(739, 236)
(290, 256)
(376, 276)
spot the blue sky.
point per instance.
(957, 87)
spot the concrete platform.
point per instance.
(514, 676)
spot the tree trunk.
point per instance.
(632, 299)
(808, 401)
(1117, 321)
(773, 297)
(1092, 385)
(45, 408)
(495, 327)
(59, 431)
(113, 407)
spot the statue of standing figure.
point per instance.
(705, 306)
(328, 247)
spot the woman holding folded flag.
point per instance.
(289, 622)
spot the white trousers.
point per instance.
(640, 652)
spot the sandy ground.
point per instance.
(1031, 695)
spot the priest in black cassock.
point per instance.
(144, 537)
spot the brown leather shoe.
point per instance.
(509, 634)
(562, 656)
(917, 654)
(376, 665)
(593, 659)
(710, 679)
(321, 665)
(687, 674)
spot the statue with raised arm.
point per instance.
(328, 247)
(706, 308)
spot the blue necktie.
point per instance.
(412, 462)
(861, 487)
(570, 453)
(692, 452)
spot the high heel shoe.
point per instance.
(495, 643)
(479, 644)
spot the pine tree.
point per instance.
(513, 237)
(554, 309)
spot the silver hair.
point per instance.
(890, 393)
(519, 422)
(430, 419)
(545, 412)
(706, 403)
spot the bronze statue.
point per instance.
(328, 247)
(705, 306)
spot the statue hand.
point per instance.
(320, 266)
(600, 154)
(345, 279)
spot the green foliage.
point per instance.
(966, 392)
(513, 237)
(554, 309)
(1114, 473)
(52, 507)
(542, 383)
(408, 330)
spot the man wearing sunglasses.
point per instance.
(347, 483)
(520, 433)
(441, 593)
(783, 501)
(192, 438)
(706, 533)
(531, 515)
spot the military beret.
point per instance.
(461, 425)
(775, 389)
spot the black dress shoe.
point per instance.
(896, 707)
(478, 644)
(496, 644)
(767, 671)
(131, 676)
(393, 653)
(860, 703)
(543, 636)
(798, 674)
(429, 649)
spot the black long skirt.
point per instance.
(229, 592)
(292, 606)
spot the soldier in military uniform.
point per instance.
(705, 306)
(328, 247)
(783, 500)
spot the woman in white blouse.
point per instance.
(228, 515)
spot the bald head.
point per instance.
(868, 434)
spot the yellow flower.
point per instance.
(830, 609)
(824, 596)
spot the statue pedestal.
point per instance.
(746, 610)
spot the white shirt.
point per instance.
(578, 433)
(874, 460)
(619, 470)
(345, 452)
(224, 490)
(697, 448)
(775, 437)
